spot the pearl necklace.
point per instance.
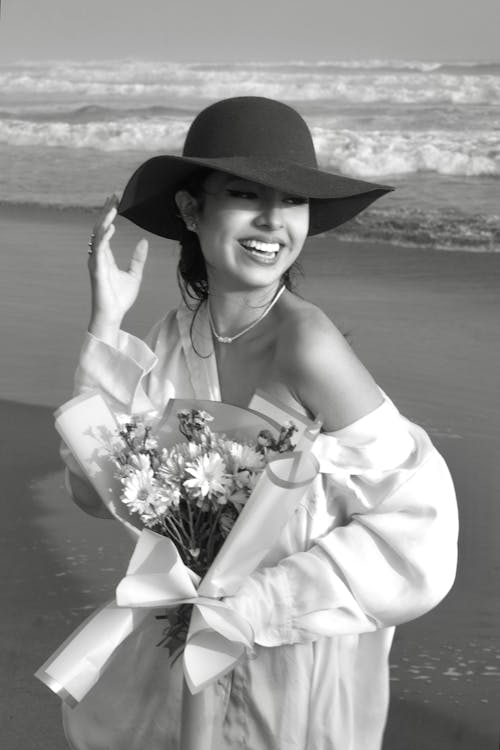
(230, 339)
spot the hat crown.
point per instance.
(250, 126)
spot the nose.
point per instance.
(270, 214)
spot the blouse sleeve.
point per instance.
(120, 373)
(392, 561)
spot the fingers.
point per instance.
(101, 258)
(101, 235)
(109, 209)
(104, 225)
(138, 259)
(109, 232)
(107, 214)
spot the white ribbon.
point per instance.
(156, 577)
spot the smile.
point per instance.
(265, 252)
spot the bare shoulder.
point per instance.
(322, 370)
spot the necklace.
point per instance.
(230, 339)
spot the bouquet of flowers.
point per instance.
(193, 491)
(204, 512)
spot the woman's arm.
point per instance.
(392, 561)
(109, 359)
(396, 557)
(113, 291)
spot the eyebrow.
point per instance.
(244, 180)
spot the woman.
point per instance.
(374, 542)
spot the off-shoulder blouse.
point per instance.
(372, 545)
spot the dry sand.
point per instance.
(425, 324)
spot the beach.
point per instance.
(424, 322)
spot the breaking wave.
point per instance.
(433, 229)
(357, 153)
(347, 82)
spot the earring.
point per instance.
(191, 224)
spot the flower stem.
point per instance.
(190, 518)
(211, 536)
(174, 530)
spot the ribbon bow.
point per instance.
(217, 637)
(156, 577)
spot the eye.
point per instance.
(295, 200)
(245, 194)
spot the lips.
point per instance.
(265, 251)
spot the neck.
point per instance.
(232, 311)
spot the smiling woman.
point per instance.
(372, 545)
(239, 221)
(247, 196)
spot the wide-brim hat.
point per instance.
(254, 138)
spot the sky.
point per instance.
(241, 30)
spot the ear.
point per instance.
(188, 209)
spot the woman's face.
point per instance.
(249, 234)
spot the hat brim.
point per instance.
(148, 198)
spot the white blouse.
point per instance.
(372, 545)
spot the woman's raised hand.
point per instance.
(113, 291)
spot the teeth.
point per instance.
(263, 247)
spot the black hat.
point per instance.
(254, 138)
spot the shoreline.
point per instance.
(426, 325)
(69, 213)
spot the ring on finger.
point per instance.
(90, 243)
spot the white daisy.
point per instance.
(208, 476)
(140, 461)
(244, 457)
(139, 487)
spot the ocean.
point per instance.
(71, 133)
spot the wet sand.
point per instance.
(426, 325)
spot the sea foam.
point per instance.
(352, 82)
(359, 153)
(166, 134)
(383, 153)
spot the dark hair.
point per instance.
(191, 269)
